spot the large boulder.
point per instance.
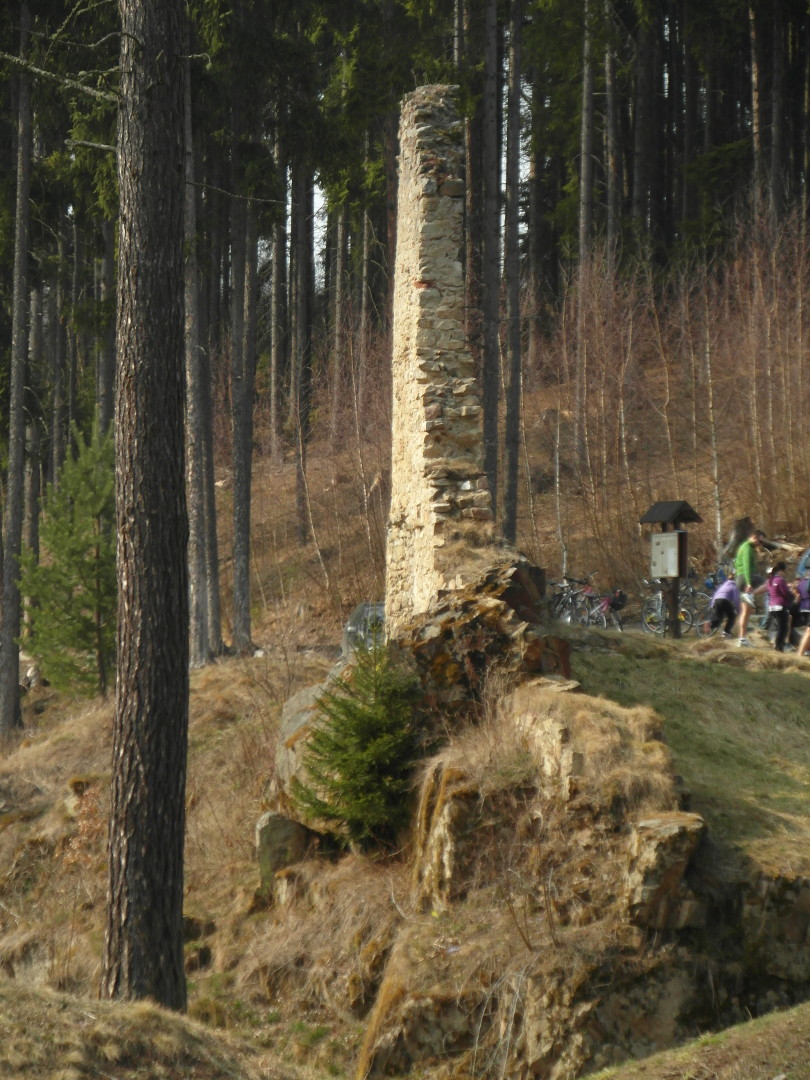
(493, 625)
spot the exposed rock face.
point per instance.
(566, 916)
(491, 625)
(280, 842)
(441, 513)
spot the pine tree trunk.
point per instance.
(33, 431)
(512, 277)
(756, 106)
(278, 316)
(585, 229)
(243, 247)
(613, 163)
(76, 336)
(302, 358)
(777, 185)
(534, 230)
(690, 97)
(143, 942)
(337, 365)
(10, 716)
(106, 352)
(643, 126)
(199, 646)
(490, 301)
(473, 242)
(586, 139)
(58, 366)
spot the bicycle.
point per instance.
(654, 617)
(566, 605)
(579, 602)
(695, 599)
(601, 607)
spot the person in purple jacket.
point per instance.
(725, 605)
(801, 590)
(780, 599)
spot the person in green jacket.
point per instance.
(745, 567)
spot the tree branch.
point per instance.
(63, 80)
(91, 145)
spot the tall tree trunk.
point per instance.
(58, 366)
(278, 313)
(512, 276)
(490, 304)
(690, 97)
(643, 127)
(216, 269)
(143, 941)
(534, 228)
(106, 353)
(77, 336)
(10, 716)
(585, 228)
(473, 241)
(756, 106)
(338, 342)
(777, 186)
(613, 163)
(586, 139)
(302, 358)
(33, 426)
(199, 645)
(363, 333)
(242, 422)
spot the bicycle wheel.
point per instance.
(597, 618)
(616, 619)
(696, 602)
(686, 618)
(575, 614)
(703, 624)
(652, 614)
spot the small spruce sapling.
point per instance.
(360, 756)
(72, 590)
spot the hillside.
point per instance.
(294, 983)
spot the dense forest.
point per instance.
(635, 254)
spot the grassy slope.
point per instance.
(738, 725)
(775, 1046)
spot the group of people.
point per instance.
(788, 602)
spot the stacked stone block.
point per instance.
(440, 524)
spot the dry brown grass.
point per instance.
(50, 1036)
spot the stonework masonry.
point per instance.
(441, 524)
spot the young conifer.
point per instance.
(360, 755)
(72, 591)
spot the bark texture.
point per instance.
(10, 717)
(143, 945)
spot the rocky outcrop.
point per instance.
(492, 626)
(570, 916)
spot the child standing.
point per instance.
(780, 599)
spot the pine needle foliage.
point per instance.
(361, 753)
(72, 591)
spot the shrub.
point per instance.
(72, 591)
(360, 755)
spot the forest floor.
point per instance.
(735, 720)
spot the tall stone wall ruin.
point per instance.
(440, 524)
